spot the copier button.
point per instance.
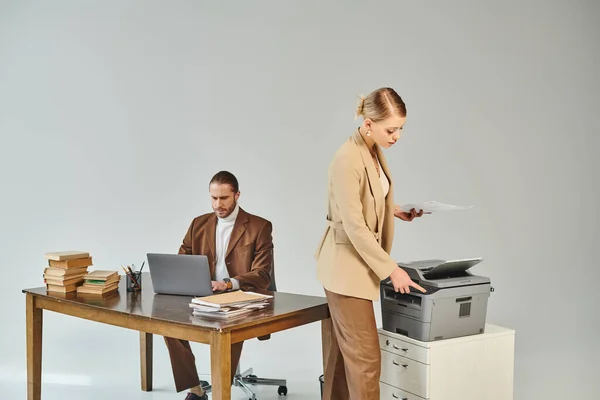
(428, 289)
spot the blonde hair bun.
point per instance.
(360, 107)
(380, 104)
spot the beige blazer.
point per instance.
(353, 255)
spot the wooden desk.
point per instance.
(168, 316)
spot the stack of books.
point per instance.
(100, 282)
(66, 270)
(228, 305)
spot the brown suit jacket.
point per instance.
(249, 256)
(353, 256)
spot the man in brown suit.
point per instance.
(239, 248)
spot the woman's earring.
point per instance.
(369, 132)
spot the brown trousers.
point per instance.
(183, 362)
(353, 367)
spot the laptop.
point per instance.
(180, 274)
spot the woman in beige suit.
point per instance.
(354, 254)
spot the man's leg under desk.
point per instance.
(34, 349)
(146, 340)
(184, 365)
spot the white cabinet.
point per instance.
(476, 367)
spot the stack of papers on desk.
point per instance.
(228, 305)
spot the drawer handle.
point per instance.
(399, 365)
(399, 348)
(401, 398)
(387, 343)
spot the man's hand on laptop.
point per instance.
(219, 286)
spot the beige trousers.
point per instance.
(353, 366)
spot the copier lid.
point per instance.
(451, 269)
(433, 270)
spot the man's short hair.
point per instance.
(226, 177)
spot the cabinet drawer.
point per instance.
(388, 392)
(404, 373)
(402, 348)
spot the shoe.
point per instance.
(192, 396)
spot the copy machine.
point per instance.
(455, 303)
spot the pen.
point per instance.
(130, 274)
(142, 267)
(134, 279)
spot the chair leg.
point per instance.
(207, 387)
(243, 380)
(240, 383)
(263, 381)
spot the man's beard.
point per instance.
(227, 211)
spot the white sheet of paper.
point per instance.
(432, 206)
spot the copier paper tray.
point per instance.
(455, 303)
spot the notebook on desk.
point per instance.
(229, 305)
(231, 299)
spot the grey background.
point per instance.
(114, 116)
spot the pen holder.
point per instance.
(135, 284)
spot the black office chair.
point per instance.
(246, 378)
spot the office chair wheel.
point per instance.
(250, 379)
(282, 390)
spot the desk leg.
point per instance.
(326, 332)
(146, 360)
(220, 365)
(34, 349)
